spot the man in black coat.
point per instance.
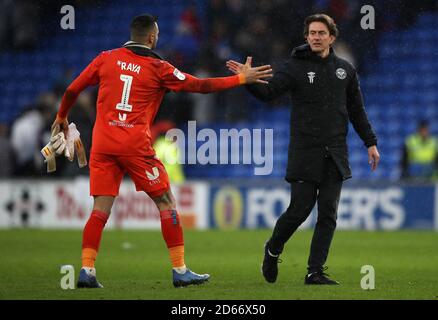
(325, 97)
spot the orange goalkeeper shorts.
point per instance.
(107, 171)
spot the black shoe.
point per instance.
(270, 266)
(319, 277)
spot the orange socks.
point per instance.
(170, 228)
(88, 257)
(177, 256)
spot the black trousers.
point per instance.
(304, 195)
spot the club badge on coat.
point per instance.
(341, 73)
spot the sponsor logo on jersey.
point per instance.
(122, 117)
(181, 76)
(115, 123)
(154, 175)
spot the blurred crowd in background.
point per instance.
(204, 38)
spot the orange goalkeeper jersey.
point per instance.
(132, 82)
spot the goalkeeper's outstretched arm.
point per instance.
(175, 80)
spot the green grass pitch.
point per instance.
(135, 265)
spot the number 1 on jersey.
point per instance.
(127, 82)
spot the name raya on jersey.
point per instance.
(131, 88)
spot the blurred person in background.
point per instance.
(204, 110)
(63, 80)
(25, 141)
(25, 24)
(83, 115)
(6, 152)
(46, 105)
(343, 51)
(167, 151)
(420, 154)
(6, 10)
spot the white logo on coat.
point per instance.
(311, 76)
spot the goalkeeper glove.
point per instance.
(67, 145)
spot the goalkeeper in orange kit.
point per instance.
(132, 82)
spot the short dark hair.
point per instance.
(141, 25)
(321, 17)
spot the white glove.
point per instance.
(58, 143)
(72, 136)
(74, 145)
(49, 156)
(56, 146)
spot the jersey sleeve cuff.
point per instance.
(242, 79)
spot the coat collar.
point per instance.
(141, 50)
(304, 52)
